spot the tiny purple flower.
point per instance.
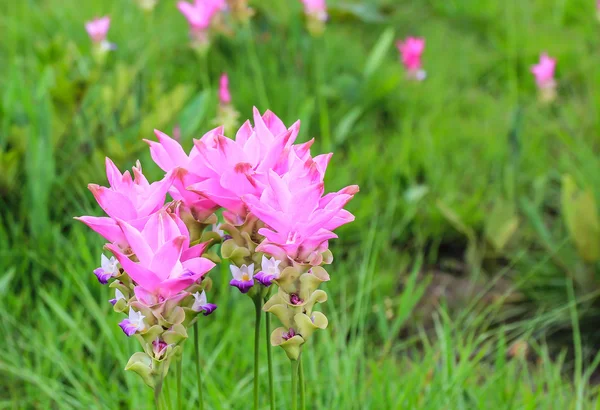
(118, 296)
(108, 268)
(269, 271)
(134, 323)
(242, 277)
(159, 347)
(200, 304)
(295, 299)
(288, 335)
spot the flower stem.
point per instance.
(257, 68)
(319, 51)
(294, 384)
(198, 372)
(157, 391)
(179, 373)
(258, 307)
(270, 360)
(302, 384)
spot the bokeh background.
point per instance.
(469, 278)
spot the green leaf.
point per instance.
(501, 224)
(379, 51)
(581, 217)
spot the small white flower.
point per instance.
(200, 300)
(137, 320)
(109, 265)
(119, 295)
(271, 266)
(215, 228)
(243, 273)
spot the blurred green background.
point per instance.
(469, 278)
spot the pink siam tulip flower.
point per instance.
(108, 268)
(199, 15)
(299, 219)
(171, 158)
(97, 29)
(201, 305)
(544, 71)
(134, 323)
(242, 277)
(544, 77)
(224, 94)
(316, 9)
(233, 168)
(129, 199)
(411, 51)
(167, 264)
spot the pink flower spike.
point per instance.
(544, 72)
(224, 94)
(315, 8)
(97, 29)
(411, 51)
(161, 271)
(200, 13)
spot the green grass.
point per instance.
(437, 163)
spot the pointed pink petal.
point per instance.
(166, 257)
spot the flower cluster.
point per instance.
(544, 77)
(411, 51)
(97, 29)
(277, 224)
(316, 15)
(201, 15)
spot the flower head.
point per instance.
(242, 277)
(299, 219)
(129, 199)
(269, 271)
(135, 323)
(224, 94)
(200, 13)
(108, 268)
(411, 51)
(97, 29)
(316, 9)
(544, 71)
(166, 262)
(229, 169)
(201, 305)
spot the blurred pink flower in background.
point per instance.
(98, 28)
(200, 13)
(544, 77)
(224, 94)
(316, 9)
(411, 51)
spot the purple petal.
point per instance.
(264, 278)
(208, 308)
(113, 301)
(243, 285)
(102, 276)
(128, 327)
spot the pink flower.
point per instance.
(411, 51)
(299, 219)
(167, 264)
(224, 95)
(98, 28)
(200, 13)
(316, 8)
(544, 72)
(171, 158)
(229, 169)
(129, 199)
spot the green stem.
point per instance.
(198, 372)
(167, 395)
(179, 373)
(302, 384)
(258, 307)
(204, 68)
(257, 68)
(157, 391)
(318, 53)
(270, 360)
(295, 384)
